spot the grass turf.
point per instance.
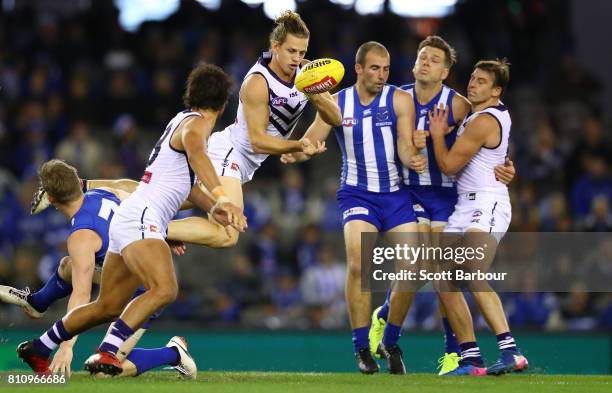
(269, 382)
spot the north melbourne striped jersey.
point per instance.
(368, 141)
(286, 105)
(432, 176)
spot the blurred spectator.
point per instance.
(596, 181)
(81, 150)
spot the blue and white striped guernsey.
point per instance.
(432, 176)
(368, 140)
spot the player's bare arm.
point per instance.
(317, 133)
(82, 246)
(403, 106)
(461, 107)
(254, 97)
(479, 132)
(327, 108)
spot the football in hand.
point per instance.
(319, 76)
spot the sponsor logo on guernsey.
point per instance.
(294, 94)
(471, 196)
(146, 177)
(349, 122)
(148, 228)
(279, 101)
(354, 211)
(423, 112)
(477, 213)
(234, 166)
(382, 118)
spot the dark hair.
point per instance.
(207, 87)
(289, 22)
(499, 68)
(365, 48)
(434, 41)
(60, 181)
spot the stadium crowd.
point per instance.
(76, 86)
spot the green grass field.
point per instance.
(253, 382)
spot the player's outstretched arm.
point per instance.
(327, 108)
(127, 185)
(403, 105)
(473, 138)
(255, 99)
(82, 247)
(317, 133)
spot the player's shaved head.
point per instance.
(370, 46)
(60, 181)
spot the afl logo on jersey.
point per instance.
(279, 101)
(349, 122)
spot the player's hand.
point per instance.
(177, 247)
(311, 149)
(62, 361)
(419, 138)
(418, 163)
(505, 173)
(288, 158)
(228, 214)
(438, 121)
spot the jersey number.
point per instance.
(158, 145)
(107, 209)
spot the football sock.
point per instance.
(146, 359)
(391, 335)
(116, 337)
(51, 339)
(505, 342)
(55, 288)
(360, 338)
(450, 341)
(470, 354)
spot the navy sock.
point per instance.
(384, 309)
(506, 342)
(116, 337)
(55, 288)
(450, 341)
(146, 359)
(360, 338)
(52, 338)
(392, 334)
(470, 354)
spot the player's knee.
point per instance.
(65, 268)
(354, 267)
(165, 294)
(230, 241)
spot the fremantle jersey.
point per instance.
(167, 179)
(95, 214)
(479, 173)
(432, 176)
(286, 105)
(368, 141)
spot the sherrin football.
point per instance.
(319, 76)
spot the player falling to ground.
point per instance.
(434, 194)
(90, 213)
(375, 139)
(483, 206)
(137, 252)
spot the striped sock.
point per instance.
(505, 342)
(52, 338)
(116, 337)
(470, 354)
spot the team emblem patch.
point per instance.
(382, 115)
(417, 207)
